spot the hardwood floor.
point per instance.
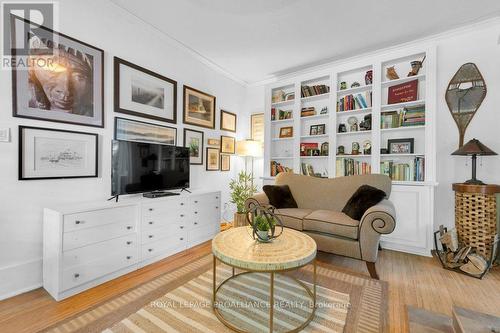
(413, 280)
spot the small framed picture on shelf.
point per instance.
(286, 132)
(313, 130)
(400, 146)
(321, 129)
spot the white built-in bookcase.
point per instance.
(414, 197)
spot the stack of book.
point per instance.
(353, 102)
(351, 167)
(391, 119)
(314, 90)
(307, 169)
(308, 111)
(411, 171)
(277, 168)
(414, 116)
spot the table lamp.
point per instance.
(474, 148)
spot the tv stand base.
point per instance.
(158, 194)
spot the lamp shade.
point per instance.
(474, 147)
(249, 148)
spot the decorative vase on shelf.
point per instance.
(239, 220)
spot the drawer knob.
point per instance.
(216, 207)
(150, 236)
(129, 242)
(182, 215)
(151, 222)
(216, 197)
(196, 212)
(77, 275)
(129, 227)
(151, 209)
(129, 257)
(182, 227)
(196, 223)
(182, 203)
(196, 201)
(79, 222)
(182, 238)
(150, 250)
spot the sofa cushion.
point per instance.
(292, 217)
(331, 222)
(280, 196)
(365, 197)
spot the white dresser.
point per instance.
(87, 244)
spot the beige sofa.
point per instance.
(319, 214)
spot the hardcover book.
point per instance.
(404, 92)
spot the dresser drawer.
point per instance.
(80, 238)
(95, 218)
(171, 231)
(89, 253)
(198, 200)
(172, 245)
(206, 213)
(74, 276)
(151, 209)
(160, 221)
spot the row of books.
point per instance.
(351, 167)
(277, 168)
(410, 116)
(314, 90)
(280, 114)
(411, 171)
(356, 101)
(308, 170)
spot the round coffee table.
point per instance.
(292, 250)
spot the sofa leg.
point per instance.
(372, 270)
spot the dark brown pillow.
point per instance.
(280, 196)
(365, 197)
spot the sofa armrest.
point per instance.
(261, 198)
(377, 220)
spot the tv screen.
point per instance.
(144, 167)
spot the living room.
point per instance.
(285, 168)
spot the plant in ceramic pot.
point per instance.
(263, 226)
(241, 190)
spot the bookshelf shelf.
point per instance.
(354, 133)
(403, 80)
(281, 121)
(314, 97)
(282, 158)
(282, 139)
(283, 103)
(313, 157)
(314, 136)
(318, 116)
(351, 112)
(402, 128)
(396, 106)
(400, 155)
(354, 90)
(354, 156)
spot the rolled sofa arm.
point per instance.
(261, 198)
(377, 220)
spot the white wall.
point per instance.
(106, 26)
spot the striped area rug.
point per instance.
(179, 301)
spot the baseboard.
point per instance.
(406, 248)
(20, 278)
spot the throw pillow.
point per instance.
(365, 197)
(280, 196)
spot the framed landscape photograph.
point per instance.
(133, 130)
(257, 127)
(199, 108)
(400, 146)
(52, 153)
(194, 141)
(225, 162)
(227, 121)
(227, 144)
(213, 161)
(65, 82)
(144, 93)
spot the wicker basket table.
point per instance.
(476, 216)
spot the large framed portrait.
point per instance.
(199, 108)
(194, 141)
(144, 93)
(213, 161)
(227, 121)
(139, 131)
(52, 153)
(64, 81)
(257, 127)
(227, 144)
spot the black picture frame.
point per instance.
(117, 62)
(16, 112)
(202, 144)
(313, 130)
(21, 153)
(409, 141)
(185, 119)
(115, 136)
(229, 114)
(216, 151)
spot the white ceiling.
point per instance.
(256, 39)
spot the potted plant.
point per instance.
(241, 190)
(263, 226)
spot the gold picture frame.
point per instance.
(257, 127)
(227, 144)
(228, 121)
(213, 160)
(286, 132)
(225, 162)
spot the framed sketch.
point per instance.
(144, 93)
(225, 162)
(65, 82)
(227, 144)
(139, 131)
(194, 141)
(286, 132)
(52, 153)
(227, 121)
(199, 108)
(400, 146)
(213, 161)
(213, 142)
(257, 127)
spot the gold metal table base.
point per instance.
(312, 295)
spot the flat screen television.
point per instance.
(139, 167)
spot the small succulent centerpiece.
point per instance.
(263, 227)
(241, 190)
(266, 225)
